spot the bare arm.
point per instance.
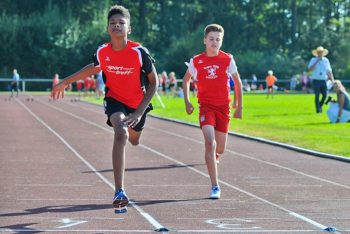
(341, 101)
(238, 102)
(133, 118)
(186, 89)
(88, 70)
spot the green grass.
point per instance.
(288, 118)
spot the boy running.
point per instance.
(212, 70)
(131, 81)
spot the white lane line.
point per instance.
(58, 199)
(253, 158)
(149, 231)
(301, 217)
(148, 217)
(54, 185)
(34, 230)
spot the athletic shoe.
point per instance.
(215, 192)
(217, 158)
(120, 199)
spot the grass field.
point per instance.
(288, 118)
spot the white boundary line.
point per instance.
(148, 217)
(294, 214)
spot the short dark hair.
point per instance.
(118, 10)
(213, 28)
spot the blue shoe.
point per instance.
(120, 199)
(215, 192)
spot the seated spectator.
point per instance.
(339, 110)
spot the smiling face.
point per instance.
(118, 26)
(213, 41)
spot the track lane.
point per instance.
(192, 158)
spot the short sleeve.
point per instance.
(191, 67)
(232, 68)
(147, 61)
(328, 65)
(312, 61)
(95, 60)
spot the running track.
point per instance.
(56, 176)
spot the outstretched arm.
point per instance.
(88, 70)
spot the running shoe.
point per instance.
(217, 158)
(120, 199)
(215, 192)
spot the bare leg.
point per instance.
(134, 137)
(210, 149)
(118, 154)
(221, 139)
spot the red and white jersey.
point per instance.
(122, 70)
(213, 77)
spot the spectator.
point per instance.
(321, 71)
(15, 82)
(339, 110)
(172, 83)
(305, 82)
(293, 82)
(254, 85)
(270, 82)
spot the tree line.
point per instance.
(43, 37)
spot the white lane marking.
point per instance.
(54, 185)
(149, 231)
(73, 230)
(253, 158)
(70, 222)
(58, 199)
(149, 218)
(301, 217)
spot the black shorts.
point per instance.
(112, 106)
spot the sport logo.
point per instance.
(107, 59)
(211, 71)
(120, 70)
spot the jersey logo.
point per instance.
(107, 59)
(211, 71)
(200, 61)
(120, 70)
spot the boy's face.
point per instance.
(213, 41)
(118, 26)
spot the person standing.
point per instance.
(15, 82)
(131, 82)
(212, 69)
(270, 82)
(321, 70)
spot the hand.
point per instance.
(189, 108)
(132, 119)
(58, 90)
(238, 113)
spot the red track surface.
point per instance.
(56, 176)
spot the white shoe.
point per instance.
(215, 192)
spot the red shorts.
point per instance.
(217, 116)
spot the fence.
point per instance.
(45, 84)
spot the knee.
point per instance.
(134, 141)
(120, 134)
(210, 145)
(220, 150)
